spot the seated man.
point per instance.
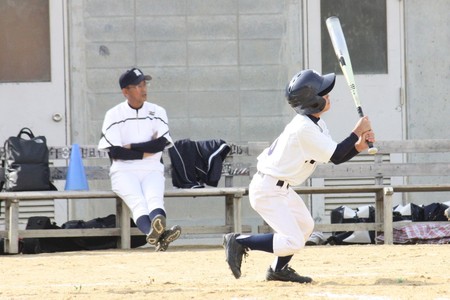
(135, 132)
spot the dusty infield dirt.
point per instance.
(339, 272)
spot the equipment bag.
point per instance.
(410, 212)
(93, 243)
(26, 163)
(344, 214)
(101, 242)
(45, 245)
(435, 212)
(62, 244)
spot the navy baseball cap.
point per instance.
(132, 77)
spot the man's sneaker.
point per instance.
(157, 229)
(234, 253)
(286, 274)
(168, 237)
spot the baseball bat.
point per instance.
(343, 56)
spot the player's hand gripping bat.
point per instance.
(340, 48)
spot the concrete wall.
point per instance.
(220, 68)
(427, 68)
(427, 61)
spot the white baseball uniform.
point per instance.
(139, 182)
(290, 160)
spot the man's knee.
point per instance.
(288, 245)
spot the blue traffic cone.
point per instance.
(76, 177)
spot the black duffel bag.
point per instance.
(101, 242)
(62, 244)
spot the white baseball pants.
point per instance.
(142, 191)
(284, 210)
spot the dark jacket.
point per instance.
(196, 163)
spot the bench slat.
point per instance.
(92, 232)
(421, 188)
(413, 146)
(39, 195)
(337, 227)
(58, 233)
(380, 169)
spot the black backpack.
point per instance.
(25, 163)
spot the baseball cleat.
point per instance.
(157, 229)
(168, 237)
(234, 253)
(286, 274)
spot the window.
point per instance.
(364, 26)
(24, 41)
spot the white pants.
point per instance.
(284, 210)
(142, 191)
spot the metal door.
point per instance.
(33, 77)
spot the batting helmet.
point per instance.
(305, 90)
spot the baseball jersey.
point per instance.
(294, 155)
(126, 125)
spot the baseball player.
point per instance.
(135, 132)
(290, 160)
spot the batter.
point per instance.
(135, 132)
(289, 161)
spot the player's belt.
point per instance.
(279, 183)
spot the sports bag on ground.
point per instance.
(25, 163)
(344, 214)
(63, 244)
(101, 242)
(435, 212)
(45, 245)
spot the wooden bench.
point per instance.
(12, 200)
(380, 168)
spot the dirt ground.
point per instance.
(339, 272)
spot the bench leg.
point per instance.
(388, 225)
(233, 212)
(379, 214)
(229, 211)
(237, 213)
(12, 226)
(123, 221)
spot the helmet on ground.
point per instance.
(305, 90)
